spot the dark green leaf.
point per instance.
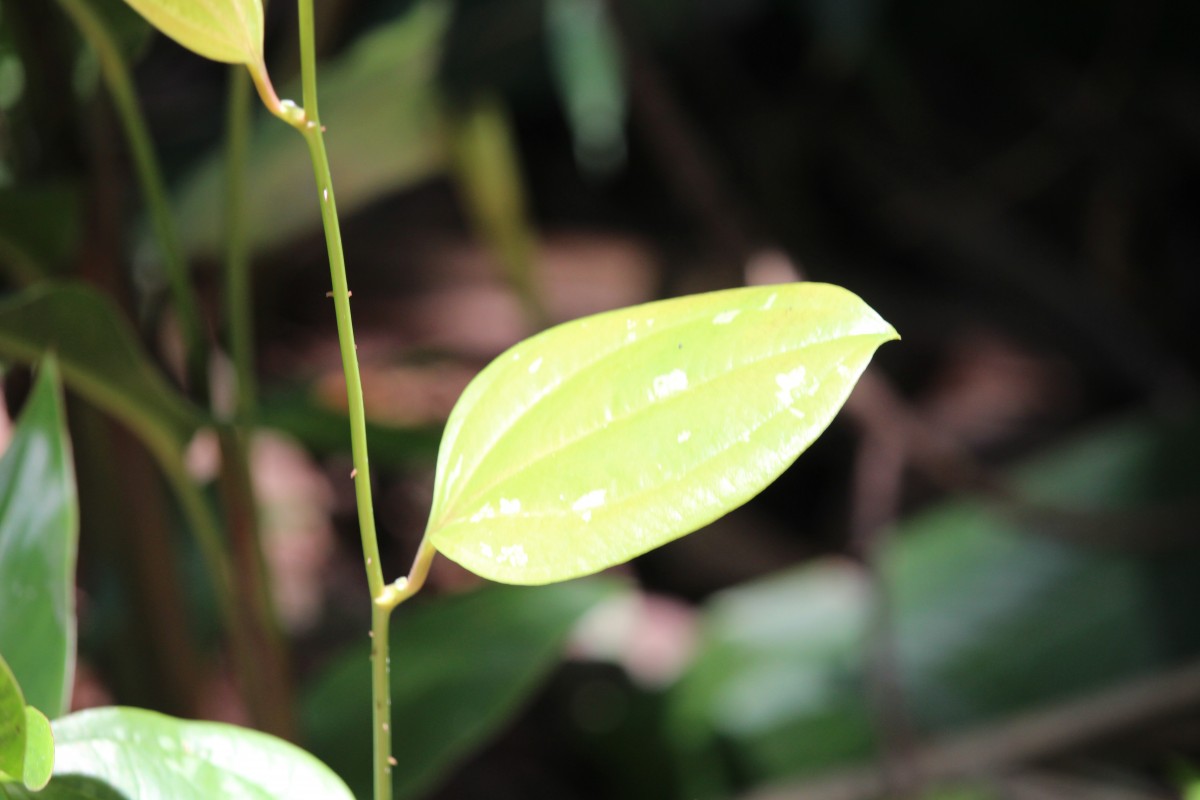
(461, 666)
(38, 539)
(38, 230)
(995, 611)
(100, 359)
(586, 58)
(324, 430)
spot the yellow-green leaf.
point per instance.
(223, 30)
(603, 438)
(39, 750)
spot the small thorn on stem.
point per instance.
(354, 473)
(392, 761)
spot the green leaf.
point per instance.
(26, 743)
(12, 725)
(39, 749)
(132, 753)
(38, 539)
(463, 666)
(586, 57)
(223, 30)
(994, 611)
(322, 430)
(39, 228)
(603, 438)
(100, 359)
(381, 108)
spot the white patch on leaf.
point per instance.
(788, 382)
(454, 473)
(535, 366)
(670, 383)
(513, 554)
(584, 505)
(487, 512)
(726, 317)
(683, 436)
(508, 506)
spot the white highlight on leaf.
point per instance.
(791, 380)
(797, 413)
(513, 554)
(843, 371)
(510, 506)
(770, 301)
(536, 365)
(683, 436)
(608, 417)
(630, 337)
(726, 317)
(486, 549)
(584, 505)
(454, 473)
(487, 512)
(672, 382)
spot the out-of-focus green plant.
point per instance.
(574, 451)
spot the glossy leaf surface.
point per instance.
(38, 539)
(99, 357)
(462, 665)
(131, 753)
(603, 438)
(223, 30)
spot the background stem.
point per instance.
(239, 295)
(149, 174)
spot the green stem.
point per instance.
(308, 122)
(385, 597)
(239, 302)
(309, 126)
(154, 187)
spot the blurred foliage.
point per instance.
(1023, 174)
(995, 609)
(449, 692)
